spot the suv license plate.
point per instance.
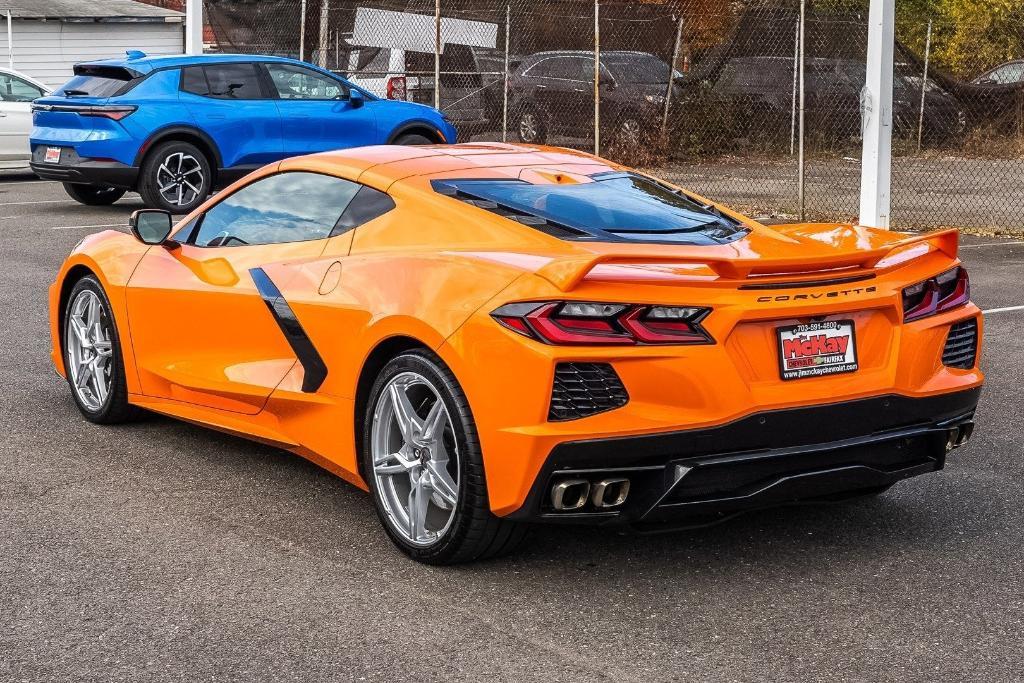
(52, 155)
(817, 349)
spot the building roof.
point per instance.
(87, 10)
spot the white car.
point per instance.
(16, 94)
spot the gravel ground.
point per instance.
(162, 551)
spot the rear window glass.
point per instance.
(99, 81)
(616, 207)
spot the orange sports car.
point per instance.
(485, 336)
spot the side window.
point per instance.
(543, 68)
(296, 83)
(288, 207)
(193, 80)
(1010, 73)
(13, 89)
(563, 67)
(233, 81)
(364, 207)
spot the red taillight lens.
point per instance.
(115, 112)
(396, 88)
(577, 323)
(941, 293)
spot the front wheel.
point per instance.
(413, 139)
(530, 127)
(93, 362)
(93, 195)
(424, 466)
(175, 177)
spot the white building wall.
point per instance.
(47, 50)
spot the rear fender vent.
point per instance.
(961, 348)
(583, 389)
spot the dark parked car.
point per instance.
(552, 93)
(762, 87)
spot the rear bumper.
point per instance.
(74, 169)
(697, 477)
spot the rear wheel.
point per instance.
(93, 361)
(93, 195)
(175, 177)
(424, 466)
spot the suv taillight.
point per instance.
(935, 295)
(589, 323)
(396, 88)
(115, 112)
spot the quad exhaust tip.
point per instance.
(959, 435)
(572, 495)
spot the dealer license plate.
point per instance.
(52, 155)
(817, 349)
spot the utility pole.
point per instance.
(876, 113)
(193, 27)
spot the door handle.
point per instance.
(541, 86)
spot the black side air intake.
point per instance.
(582, 389)
(961, 348)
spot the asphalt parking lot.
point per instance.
(163, 551)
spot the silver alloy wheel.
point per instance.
(89, 350)
(529, 125)
(629, 132)
(179, 179)
(415, 459)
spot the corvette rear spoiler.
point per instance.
(567, 273)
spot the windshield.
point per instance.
(643, 69)
(616, 207)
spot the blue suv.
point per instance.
(175, 128)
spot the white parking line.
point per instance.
(1005, 309)
(26, 182)
(989, 244)
(83, 227)
(38, 201)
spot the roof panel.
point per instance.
(85, 9)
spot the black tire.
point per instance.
(413, 139)
(166, 154)
(475, 533)
(115, 409)
(529, 119)
(93, 195)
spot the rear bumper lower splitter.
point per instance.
(703, 476)
(112, 173)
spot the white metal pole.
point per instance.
(597, 77)
(504, 99)
(325, 28)
(193, 27)
(876, 112)
(924, 86)
(302, 31)
(796, 73)
(437, 54)
(800, 171)
(672, 74)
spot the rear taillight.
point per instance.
(579, 322)
(941, 293)
(396, 88)
(115, 112)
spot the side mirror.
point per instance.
(355, 99)
(150, 226)
(607, 84)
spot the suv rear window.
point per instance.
(615, 207)
(93, 80)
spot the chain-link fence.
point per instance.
(748, 113)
